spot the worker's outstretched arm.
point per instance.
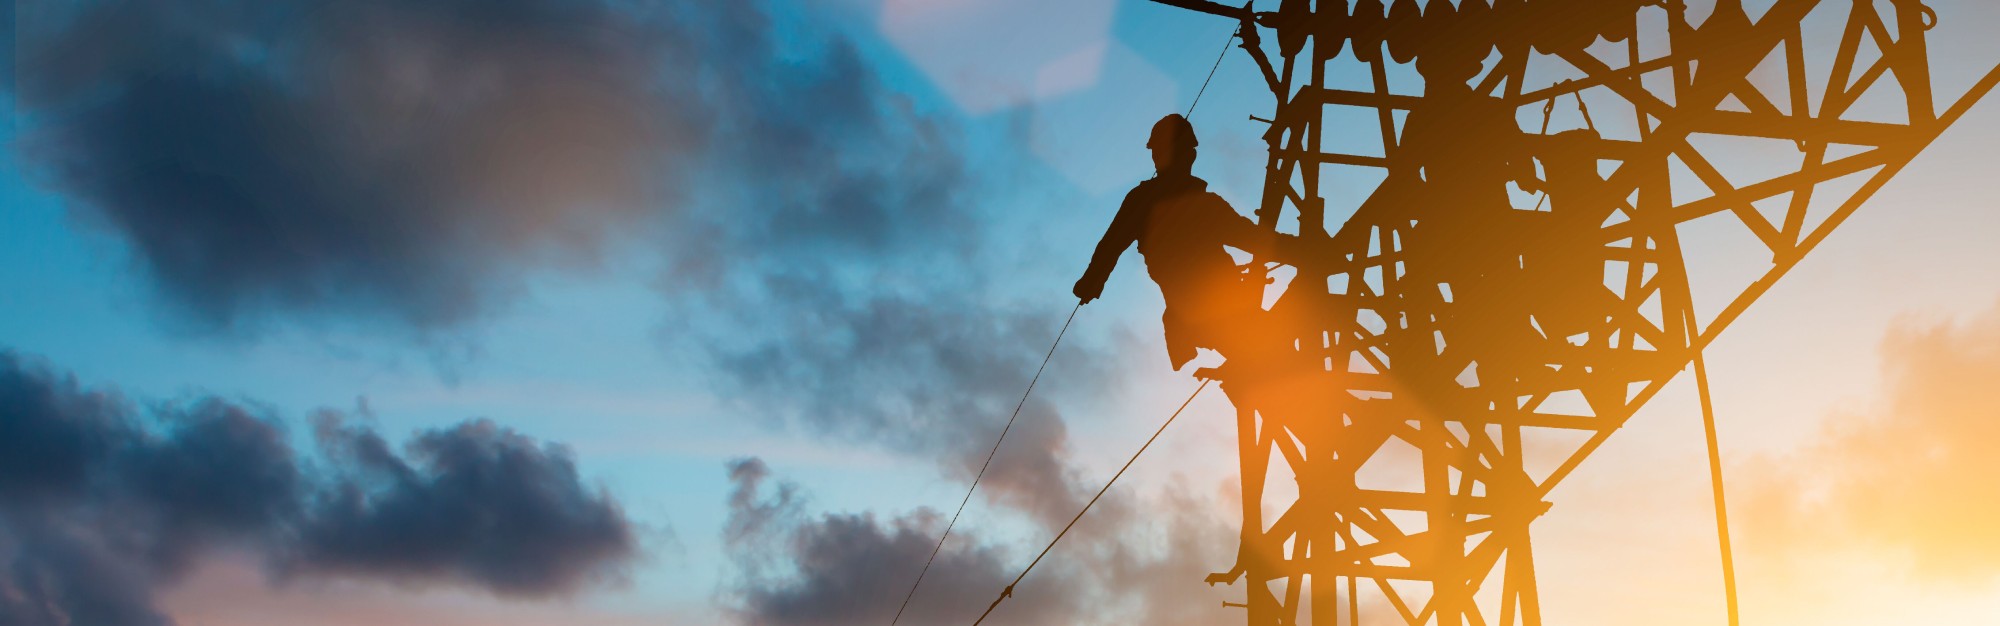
(1241, 233)
(1124, 232)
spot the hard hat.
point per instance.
(1172, 128)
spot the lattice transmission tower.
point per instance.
(1442, 328)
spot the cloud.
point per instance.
(1907, 475)
(101, 506)
(797, 568)
(391, 160)
(408, 164)
(411, 162)
(483, 505)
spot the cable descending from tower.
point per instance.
(982, 467)
(1009, 591)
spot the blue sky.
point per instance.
(640, 350)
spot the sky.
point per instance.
(592, 312)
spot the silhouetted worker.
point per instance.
(1181, 229)
(1564, 263)
(1466, 147)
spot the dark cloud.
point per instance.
(1908, 476)
(389, 160)
(481, 504)
(100, 506)
(61, 573)
(410, 161)
(799, 568)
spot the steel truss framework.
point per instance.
(1452, 331)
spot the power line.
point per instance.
(1009, 591)
(1213, 73)
(988, 463)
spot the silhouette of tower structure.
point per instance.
(1452, 354)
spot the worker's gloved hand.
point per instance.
(1087, 289)
(1248, 34)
